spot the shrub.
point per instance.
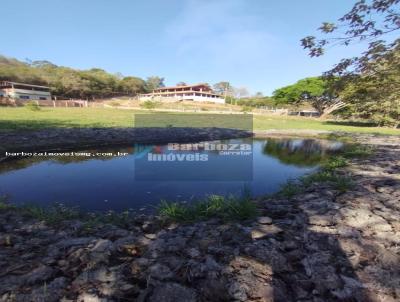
(357, 150)
(335, 162)
(246, 109)
(149, 105)
(32, 105)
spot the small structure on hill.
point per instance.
(197, 93)
(24, 92)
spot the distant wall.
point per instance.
(183, 98)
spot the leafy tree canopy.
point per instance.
(376, 95)
(369, 83)
(301, 90)
(154, 82)
(69, 82)
(224, 88)
(374, 22)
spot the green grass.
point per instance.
(265, 122)
(290, 189)
(328, 173)
(214, 206)
(57, 213)
(357, 151)
(26, 119)
(53, 214)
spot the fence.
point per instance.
(47, 103)
(63, 103)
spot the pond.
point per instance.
(139, 176)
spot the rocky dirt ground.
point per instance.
(320, 245)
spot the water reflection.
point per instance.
(301, 152)
(109, 182)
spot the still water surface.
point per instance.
(133, 181)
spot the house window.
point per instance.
(42, 98)
(24, 97)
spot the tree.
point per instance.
(132, 85)
(224, 88)
(368, 83)
(315, 90)
(68, 82)
(241, 92)
(154, 82)
(302, 89)
(181, 84)
(376, 96)
(259, 94)
(369, 21)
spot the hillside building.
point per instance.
(196, 93)
(24, 92)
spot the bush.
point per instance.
(335, 162)
(32, 105)
(357, 151)
(247, 109)
(149, 105)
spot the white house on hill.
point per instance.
(22, 92)
(196, 93)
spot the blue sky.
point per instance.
(253, 44)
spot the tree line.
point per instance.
(66, 82)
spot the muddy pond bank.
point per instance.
(80, 138)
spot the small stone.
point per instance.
(262, 231)
(150, 236)
(264, 220)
